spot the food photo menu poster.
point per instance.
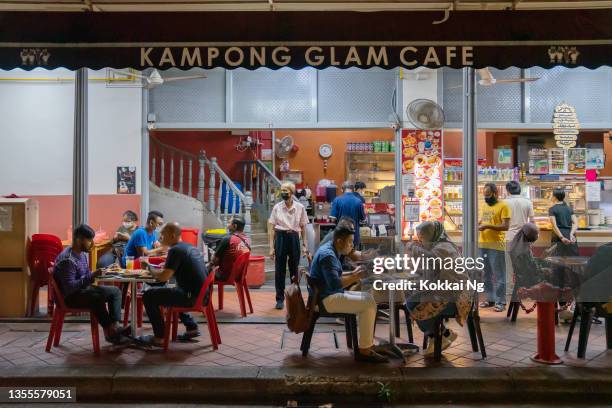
(421, 173)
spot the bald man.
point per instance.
(186, 264)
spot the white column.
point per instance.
(145, 158)
(79, 175)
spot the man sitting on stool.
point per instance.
(327, 270)
(186, 264)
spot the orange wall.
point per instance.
(452, 143)
(55, 212)
(308, 160)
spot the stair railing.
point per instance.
(220, 195)
(259, 179)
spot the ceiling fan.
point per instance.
(487, 79)
(154, 78)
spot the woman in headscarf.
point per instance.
(528, 270)
(425, 306)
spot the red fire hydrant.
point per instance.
(545, 295)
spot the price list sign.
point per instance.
(565, 126)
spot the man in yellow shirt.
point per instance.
(494, 221)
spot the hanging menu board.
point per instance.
(422, 165)
(576, 161)
(565, 125)
(557, 159)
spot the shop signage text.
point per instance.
(565, 125)
(315, 56)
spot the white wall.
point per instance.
(414, 88)
(37, 127)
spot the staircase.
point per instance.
(200, 178)
(195, 191)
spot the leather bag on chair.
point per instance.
(297, 314)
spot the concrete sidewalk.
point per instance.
(263, 385)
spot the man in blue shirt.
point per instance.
(145, 240)
(72, 275)
(326, 270)
(348, 205)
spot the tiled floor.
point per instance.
(249, 342)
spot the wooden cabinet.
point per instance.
(18, 221)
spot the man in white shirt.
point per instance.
(522, 212)
(287, 220)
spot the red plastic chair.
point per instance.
(208, 311)
(55, 331)
(190, 235)
(154, 260)
(42, 251)
(237, 278)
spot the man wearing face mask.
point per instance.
(119, 241)
(287, 220)
(72, 274)
(494, 221)
(326, 270)
(145, 240)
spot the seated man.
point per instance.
(145, 240)
(186, 264)
(72, 274)
(230, 248)
(327, 270)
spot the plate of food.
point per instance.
(421, 193)
(420, 159)
(435, 203)
(436, 212)
(410, 140)
(436, 192)
(408, 165)
(410, 152)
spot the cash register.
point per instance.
(379, 233)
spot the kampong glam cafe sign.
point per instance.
(565, 125)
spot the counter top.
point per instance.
(593, 236)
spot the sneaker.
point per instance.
(189, 335)
(149, 341)
(485, 305)
(372, 357)
(499, 307)
(280, 304)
